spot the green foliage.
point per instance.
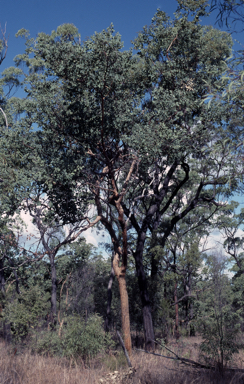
(198, 8)
(67, 31)
(164, 315)
(25, 311)
(22, 33)
(218, 320)
(76, 338)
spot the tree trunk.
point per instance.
(54, 290)
(177, 335)
(2, 286)
(120, 274)
(2, 279)
(154, 281)
(146, 307)
(109, 292)
(192, 329)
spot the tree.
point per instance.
(101, 165)
(228, 10)
(180, 168)
(178, 259)
(218, 320)
(130, 135)
(53, 236)
(3, 53)
(233, 92)
(181, 261)
(3, 45)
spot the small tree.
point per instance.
(218, 321)
(53, 236)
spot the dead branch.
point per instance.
(6, 120)
(188, 362)
(125, 352)
(172, 42)
(195, 364)
(3, 53)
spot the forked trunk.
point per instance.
(120, 274)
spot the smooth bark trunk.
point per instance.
(120, 274)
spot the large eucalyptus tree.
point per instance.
(82, 100)
(129, 135)
(185, 158)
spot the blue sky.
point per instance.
(128, 17)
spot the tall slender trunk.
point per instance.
(2, 279)
(189, 292)
(120, 272)
(54, 289)
(146, 307)
(177, 335)
(190, 304)
(109, 302)
(2, 285)
(154, 280)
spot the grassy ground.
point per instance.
(22, 367)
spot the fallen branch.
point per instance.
(193, 363)
(182, 359)
(124, 349)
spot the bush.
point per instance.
(218, 320)
(76, 338)
(24, 311)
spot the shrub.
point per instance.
(77, 338)
(218, 319)
(24, 311)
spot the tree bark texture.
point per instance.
(120, 272)
(109, 302)
(177, 335)
(146, 307)
(2, 279)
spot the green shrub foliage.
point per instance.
(26, 311)
(218, 321)
(75, 338)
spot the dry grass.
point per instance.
(25, 368)
(18, 367)
(157, 370)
